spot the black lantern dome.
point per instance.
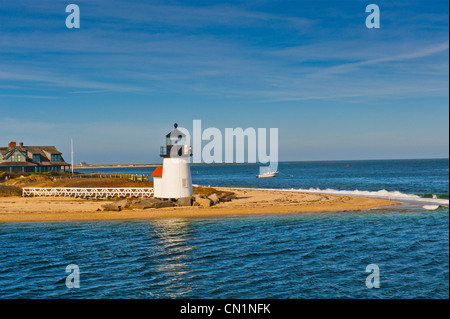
(175, 144)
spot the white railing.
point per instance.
(88, 192)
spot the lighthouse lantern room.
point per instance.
(175, 179)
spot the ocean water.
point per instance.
(322, 255)
(395, 179)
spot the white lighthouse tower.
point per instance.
(175, 179)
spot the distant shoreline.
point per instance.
(90, 166)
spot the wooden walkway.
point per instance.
(88, 192)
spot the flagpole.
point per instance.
(71, 149)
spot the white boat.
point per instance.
(266, 175)
(430, 207)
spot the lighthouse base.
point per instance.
(176, 179)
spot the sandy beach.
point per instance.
(249, 202)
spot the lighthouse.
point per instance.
(174, 179)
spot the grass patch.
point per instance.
(7, 190)
(14, 186)
(49, 181)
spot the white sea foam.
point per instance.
(383, 194)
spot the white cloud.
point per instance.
(348, 67)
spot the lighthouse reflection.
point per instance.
(172, 256)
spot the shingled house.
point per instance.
(31, 159)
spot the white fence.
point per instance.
(88, 192)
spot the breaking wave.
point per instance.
(383, 194)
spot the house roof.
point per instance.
(47, 163)
(8, 153)
(157, 172)
(7, 164)
(33, 149)
(28, 151)
(40, 149)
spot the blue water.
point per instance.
(407, 176)
(267, 256)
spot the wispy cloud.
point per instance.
(400, 57)
(155, 48)
(199, 17)
(92, 140)
(26, 96)
(45, 78)
(115, 14)
(131, 61)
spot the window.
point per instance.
(13, 158)
(36, 158)
(180, 140)
(19, 158)
(56, 158)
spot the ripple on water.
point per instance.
(290, 256)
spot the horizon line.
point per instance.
(299, 161)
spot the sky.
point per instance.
(335, 89)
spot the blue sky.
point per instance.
(335, 89)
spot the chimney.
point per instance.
(12, 145)
(21, 144)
